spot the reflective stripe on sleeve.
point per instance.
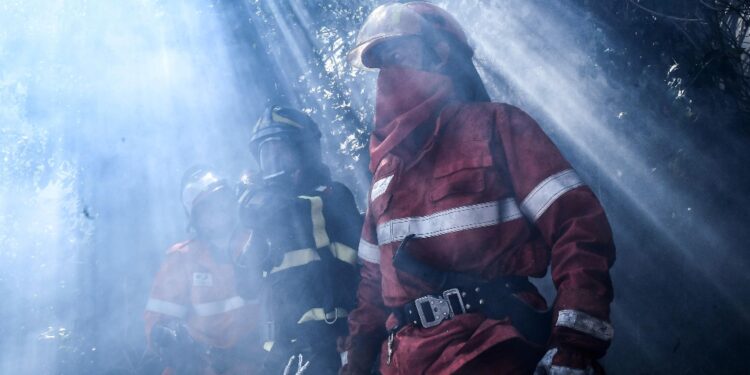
(546, 363)
(585, 323)
(301, 257)
(547, 192)
(449, 221)
(218, 307)
(166, 308)
(344, 253)
(368, 252)
(319, 314)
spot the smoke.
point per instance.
(678, 228)
(103, 105)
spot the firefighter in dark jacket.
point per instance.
(469, 199)
(305, 229)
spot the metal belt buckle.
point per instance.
(454, 294)
(439, 309)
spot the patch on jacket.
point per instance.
(379, 187)
(202, 279)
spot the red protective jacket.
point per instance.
(199, 290)
(491, 196)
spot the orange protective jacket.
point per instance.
(200, 291)
(493, 197)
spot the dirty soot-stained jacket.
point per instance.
(492, 197)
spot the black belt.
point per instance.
(431, 310)
(462, 293)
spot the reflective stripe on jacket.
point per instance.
(192, 286)
(307, 249)
(492, 197)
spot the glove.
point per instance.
(261, 205)
(566, 361)
(265, 211)
(177, 349)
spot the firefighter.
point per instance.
(469, 199)
(195, 319)
(305, 229)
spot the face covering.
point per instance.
(407, 105)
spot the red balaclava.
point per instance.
(407, 106)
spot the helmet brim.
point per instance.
(276, 130)
(358, 57)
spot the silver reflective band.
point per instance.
(166, 308)
(368, 252)
(544, 194)
(585, 323)
(218, 307)
(545, 366)
(449, 221)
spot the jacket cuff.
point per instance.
(582, 332)
(568, 361)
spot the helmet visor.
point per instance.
(278, 158)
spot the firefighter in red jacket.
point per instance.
(469, 199)
(196, 319)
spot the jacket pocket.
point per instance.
(461, 170)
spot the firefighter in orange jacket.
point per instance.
(196, 319)
(469, 199)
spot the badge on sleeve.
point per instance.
(202, 279)
(379, 187)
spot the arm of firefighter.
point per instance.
(367, 321)
(169, 298)
(574, 226)
(347, 220)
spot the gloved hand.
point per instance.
(267, 213)
(177, 349)
(567, 361)
(261, 206)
